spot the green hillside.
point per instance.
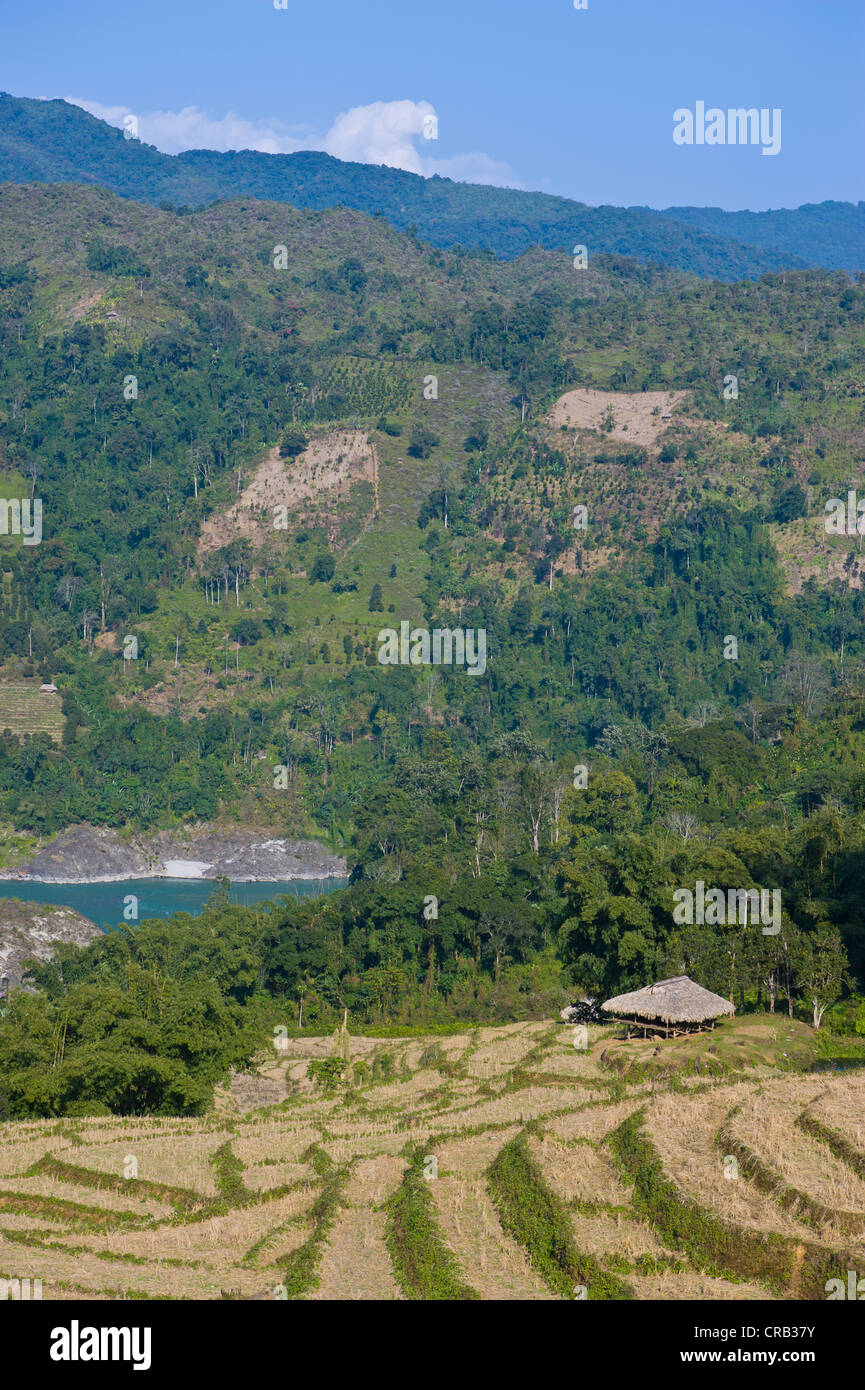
(428, 421)
(53, 141)
(830, 234)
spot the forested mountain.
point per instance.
(430, 423)
(829, 234)
(53, 141)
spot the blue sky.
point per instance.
(528, 92)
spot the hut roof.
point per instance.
(677, 1000)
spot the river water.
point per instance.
(106, 903)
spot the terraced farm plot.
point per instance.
(820, 1186)
(25, 709)
(684, 1132)
(838, 1109)
(501, 1164)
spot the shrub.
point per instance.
(791, 504)
(291, 443)
(326, 1072)
(323, 567)
(477, 438)
(422, 442)
(390, 427)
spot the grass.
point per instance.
(73, 1214)
(423, 1265)
(536, 1218)
(781, 1159)
(766, 1178)
(835, 1142)
(733, 1047)
(134, 1187)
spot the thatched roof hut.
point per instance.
(673, 1006)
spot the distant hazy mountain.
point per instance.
(53, 141)
(826, 234)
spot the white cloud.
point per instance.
(381, 133)
(384, 132)
(191, 129)
(473, 168)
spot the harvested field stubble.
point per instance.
(496, 1164)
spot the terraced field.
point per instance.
(24, 709)
(497, 1164)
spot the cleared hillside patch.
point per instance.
(633, 417)
(25, 710)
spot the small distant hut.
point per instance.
(669, 1007)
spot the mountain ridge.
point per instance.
(55, 141)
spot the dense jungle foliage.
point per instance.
(514, 835)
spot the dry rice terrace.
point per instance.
(26, 710)
(496, 1164)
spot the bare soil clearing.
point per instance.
(638, 417)
(321, 476)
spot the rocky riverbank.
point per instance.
(34, 929)
(84, 854)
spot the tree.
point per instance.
(477, 438)
(352, 274)
(750, 713)
(291, 443)
(238, 558)
(504, 928)
(246, 631)
(535, 795)
(791, 504)
(682, 823)
(806, 679)
(650, 744)
(422, 441)
(609, 802)
(822, 968)
(323, 568)
(376, 599)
